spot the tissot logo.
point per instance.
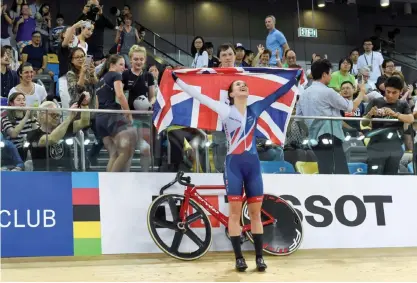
(320, 205)
(322, 213)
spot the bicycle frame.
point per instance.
(191, 193)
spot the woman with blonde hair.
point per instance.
(140, 86)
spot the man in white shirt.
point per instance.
(371, 59)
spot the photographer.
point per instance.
(94, 12)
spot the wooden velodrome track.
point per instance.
(394, 264)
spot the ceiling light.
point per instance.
(384, 3)
(321, 3)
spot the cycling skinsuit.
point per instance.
(242, 166)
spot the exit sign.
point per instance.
(307, 32)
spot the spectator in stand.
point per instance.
(67, 38)
(47, 151)
(326, 136)
(81, 77)
(198, 51)
(16, 8)
(388, 67)
(240, 55)
(126, 10)
(343, 75)
(9, 78)
(275, 40)
(35, 8)
(314, 57)
(13, 56)
(137, 81)
(385, 145)
(119, 137)
(371, 91)
(351, 128)
(407, 90)
(153, 69)
(87, 31)
(18, 123)
(371, 59)
(6, 22)
(213, 61)
(36, 55)
(96, 41)
(249, 56)
(128, 36)
(354, 55)
(140, 85)
(35, 94)
(56, 32)
(23, 28)
(44, 25)
(291, 62)
(263, 58)
(10, 158)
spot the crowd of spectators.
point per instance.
(364, 85)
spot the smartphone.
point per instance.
(80, 100)
(89, 60)
(360, 79)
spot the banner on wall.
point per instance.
(36, 214)
(338, 211)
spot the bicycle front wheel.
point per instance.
(168, 231)
(285, 234)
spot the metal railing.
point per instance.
(80, 139)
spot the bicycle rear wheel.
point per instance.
(284, 236)
(167, 230)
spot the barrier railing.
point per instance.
(348, 146)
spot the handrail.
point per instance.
(151, 113)
(170, 43)
(401, 62)
(151, 46)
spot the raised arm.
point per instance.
(260, 106)
(221, 108)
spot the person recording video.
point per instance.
(94, 12)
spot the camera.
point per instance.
(119, 17)
(92, 13)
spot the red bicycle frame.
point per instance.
(191, 193)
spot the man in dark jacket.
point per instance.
(96, 41)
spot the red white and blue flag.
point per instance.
(175, 107)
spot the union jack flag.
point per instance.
(175, 107)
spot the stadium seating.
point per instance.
(307, 167)
(355, 151)
(277, 167)
(358, 168)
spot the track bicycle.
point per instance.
(283, 231)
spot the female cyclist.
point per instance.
(242, 166)
(119, 137)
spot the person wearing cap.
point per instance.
(240, 56)
(275, 40)
(213, 60)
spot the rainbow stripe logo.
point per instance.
(86, 214)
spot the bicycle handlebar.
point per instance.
(185, 181)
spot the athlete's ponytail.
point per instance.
(229, 91)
